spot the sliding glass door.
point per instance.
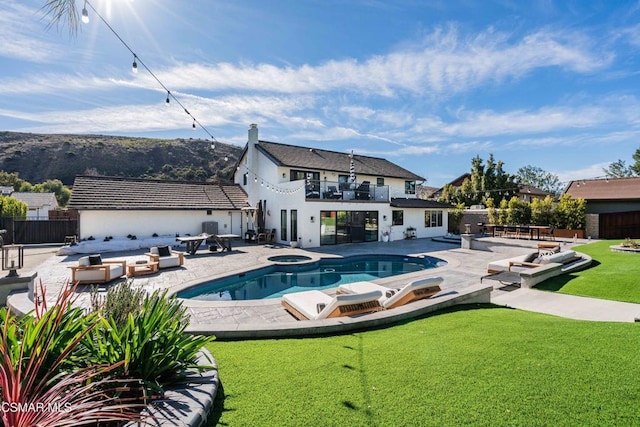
(348, 227)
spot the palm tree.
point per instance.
(62, 12)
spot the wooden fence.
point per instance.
(37, 231)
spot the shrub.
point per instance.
(119, 302)
(37, 358)
(570, 213)
(152, 342)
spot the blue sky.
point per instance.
(425, 84)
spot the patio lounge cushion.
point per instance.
(412, 291)
(559, 257)
(305, 305)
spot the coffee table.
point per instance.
(142, 269)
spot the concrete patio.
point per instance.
(461, 275)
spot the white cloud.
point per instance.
(18, 24)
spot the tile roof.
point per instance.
(36, 200)
(317, 159)
(605, 189)
(530, 189)
(399, 202)
(115, 193)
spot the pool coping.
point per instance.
(474, 294)
(264, 262)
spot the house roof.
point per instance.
(4, 189)
(398, 202)
(317, 159)
(605, 189)
(535, 191)
(424, 191)
(115, 193)
(36, 200)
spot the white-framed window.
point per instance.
(433, 218)
(409, 187)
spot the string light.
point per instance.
(85, 14)
(194, 124)
(137, 60)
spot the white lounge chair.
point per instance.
(165, 257)
(413, 291)
(315, 305)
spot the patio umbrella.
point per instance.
(260, 216)
(352, 169)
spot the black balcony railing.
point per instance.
(356, 191)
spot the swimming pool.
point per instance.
(275, 281)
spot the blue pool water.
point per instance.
(275, 281)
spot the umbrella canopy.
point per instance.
(352, 169)
(260, 216)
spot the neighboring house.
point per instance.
(39, 204)
(426, 192)
(613, 206)
(528, 192)
(312, 198)
(111, 206)
(525, 192)
(5, 190)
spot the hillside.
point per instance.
(39, 157)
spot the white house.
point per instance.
(39, 204)
(113, 206)
(317, 197)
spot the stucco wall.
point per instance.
(145, 223)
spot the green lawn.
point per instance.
(613, 275)
(488, 367)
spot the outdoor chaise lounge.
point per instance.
(391, 298)
(536, 267)
(165, 257)
(92, 269)
(316, 305)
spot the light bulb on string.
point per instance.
(193, 126)
(167, 101)
(85, 14)
(134, 66)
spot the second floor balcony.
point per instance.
(346, 191)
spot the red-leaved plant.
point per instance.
(38, 383)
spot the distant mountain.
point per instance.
(39, 157)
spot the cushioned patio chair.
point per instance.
(316, 305)
(92, 269)
(391, 298)
(165, 257)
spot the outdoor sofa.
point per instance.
(92, 269)
(539, 266)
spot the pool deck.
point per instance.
(259, 318)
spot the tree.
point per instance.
(63, 194)
(570, 213)
(542, 211)
(486, 182)
(11, 207)
(61, 12)
(618, 169)
(536, 177)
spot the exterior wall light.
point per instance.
(12, 259)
